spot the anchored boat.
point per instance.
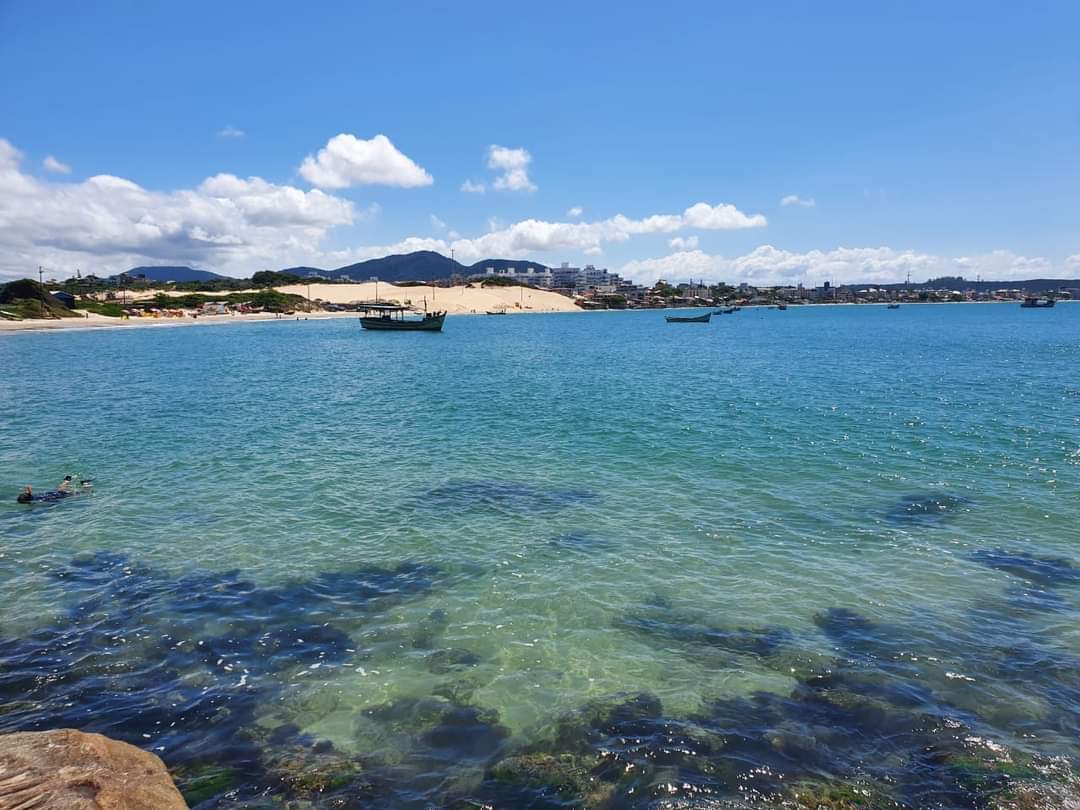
(391, 318)
(1037, 303)
(682, 319)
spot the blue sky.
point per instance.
(930, 137)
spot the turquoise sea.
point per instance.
(556, 560)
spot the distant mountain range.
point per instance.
(170, 273)
(423, 265)
(426, 265)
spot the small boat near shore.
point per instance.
(391, 318)
(1037, 303)
(688, 319)
(893, 306)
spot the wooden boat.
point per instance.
(683, 319)
(391, 318)
(1037, 303)
(496, 311)
(893, 306)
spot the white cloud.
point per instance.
(231, 133)
(469, 187)
(106, 224)
(53, 165)
(795, 199)
(539, 236)
(768, 265)
(683, 243)
(575, 212)
(236, 225)
(437, 223)
(349, 161)
(1073, 262)
(528, 236)
(720, 218)
(513, 168)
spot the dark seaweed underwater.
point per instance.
(182, 665)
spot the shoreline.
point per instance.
(102, 322)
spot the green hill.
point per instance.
(28, 299)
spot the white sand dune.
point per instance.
(455, 300)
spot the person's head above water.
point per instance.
(26, 495)
(67, 477)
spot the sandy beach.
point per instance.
(465, 300)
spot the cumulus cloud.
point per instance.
(106, 224)
(575, 212)
(768, 265)
(681, 243)
(539, 236)
(469, 187)
(53, 165)
(720, 218)
(350, 161)
(234, 224)
(795, 199)
(237, 224)
(513, 168)
(230, 133)
(1073, 262)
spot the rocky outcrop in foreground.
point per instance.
(70, 770)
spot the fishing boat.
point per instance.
(1037, 303)
(391, 318)
(731, 310)
(781, 306)
(684, 319)
(893, 306)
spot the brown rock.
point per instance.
(70, 770)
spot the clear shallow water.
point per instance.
(792, 545)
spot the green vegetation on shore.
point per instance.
(29, 299)
(268, 300)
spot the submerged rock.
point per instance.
(837, 795)
(582, 543)
(70, 770)
(430, 628)
(568, 777)
(510, 495)
(671, 627)
(186, 664)
(925, 509)
(1044, 572)
(202, 783)
(443, 661)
